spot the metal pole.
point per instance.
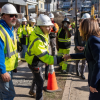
(76, 14)
(99, 10)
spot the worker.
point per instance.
(79, 48)
(38, 54)
(8, 51)
(32, 22)
(24, 32)
(63, 42)
(53, 34)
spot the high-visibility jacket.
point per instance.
(22, 31)
(70, 28)
(38, 48)
(63, 43)
(73, 24)
(52, 33)
(10, 49)
(57, 28)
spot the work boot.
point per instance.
(64, 71)
(83, 77)
(32, 94)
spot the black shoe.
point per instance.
(83, 77)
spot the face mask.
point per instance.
(65, 24)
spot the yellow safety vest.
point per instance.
(38, 48)
(22, 31)
(10, 50)
(63, 43)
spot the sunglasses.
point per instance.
(11, 16)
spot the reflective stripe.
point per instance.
(29, 52)
(61, 40)
(12, 53)
(7, 45)
(42, 54)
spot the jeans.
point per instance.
(38, 81)
(7, 91)
(24, 50)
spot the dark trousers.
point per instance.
(38, 79)
(53, 46)
(83, 66)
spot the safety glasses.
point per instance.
(11, 16)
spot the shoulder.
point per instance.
(93, 39)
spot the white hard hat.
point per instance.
(85, 16)
(24, 19)
(33, 20)
(43, 20)
(51, 15)
(8, 9)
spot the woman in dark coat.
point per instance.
(89, 30)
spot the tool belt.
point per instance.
(52, 35)
(37, 62)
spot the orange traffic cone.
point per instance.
(52, 83)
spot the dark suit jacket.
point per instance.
(92, 55)
(78, 40)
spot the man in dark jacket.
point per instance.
(79, 48)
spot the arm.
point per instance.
(41, 52)
(57, 43)
(95, 50)
(76, 38)
(5, 76)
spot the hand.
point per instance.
(27, 36)
(80, 48)
(93, 89)
(6, 77)
(66, 28)
(46, 64)
(66, 57)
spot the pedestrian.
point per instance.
(79, 48)
(89, 30)
(53, 34)
(63, 42)
(23, 33)
(38, 54)
(8, 51)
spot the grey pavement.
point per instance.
(75, 87)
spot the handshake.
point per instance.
(66, 57)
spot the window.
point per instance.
(41, 6)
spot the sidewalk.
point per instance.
(75, 87)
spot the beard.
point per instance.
(13, 23)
